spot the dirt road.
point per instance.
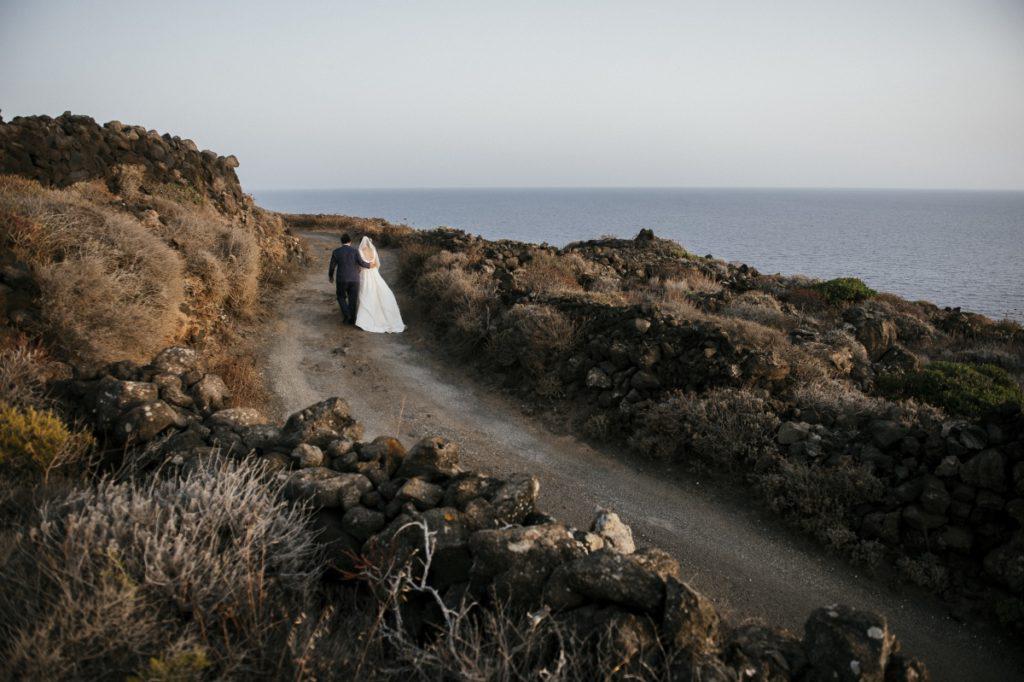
(741, 557)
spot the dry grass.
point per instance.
(670, 296)
(551, 273)
(762, 308)
(122, 277)
(110, 288)
(531, 335)
(379, 230)
(460, 302)
(23, 376)
(725, 427)
(209, 568)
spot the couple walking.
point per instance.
(364, 297)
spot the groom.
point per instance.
(347, 261)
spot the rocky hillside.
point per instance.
(118, 241)
(440, 547)
(890, 430)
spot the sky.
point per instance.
(548, 93)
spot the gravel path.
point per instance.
(740, 557)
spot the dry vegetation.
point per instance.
(694, 360)
(120, 275)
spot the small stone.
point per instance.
(616, 535)
(793, 432)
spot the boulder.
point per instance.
(615, 535)
(452, 560)
(935, 498)
(973, 437)
(846, 644)
(433, 458)
(514, 500)
(517, 561)
(467, 487)
(765, 654)
(1006, 563)
(898, 359)
(144, 422)
(877, 334)
(111, 397)
(625, 636)
(793, 432)
(361, 523)
(987, 469)
(625, 579)
(340, 547)
(421, 493)
(327, 488)
(387, 451)
(322, 423)
(305, 456)
(260, 436)
(171, 391)
(690, 620)
(235, 418)
(645, 381)
(886, 433)
(210, 393)
(176, 360)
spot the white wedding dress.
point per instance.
(378, 309)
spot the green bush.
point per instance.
(845, 289)
(34, 441)
(958, 387)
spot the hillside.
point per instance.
(159, 526)
(889, 430)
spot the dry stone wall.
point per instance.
(375, 502)
(67, 149)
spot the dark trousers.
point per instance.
(348, 300)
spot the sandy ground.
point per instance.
(742, 558)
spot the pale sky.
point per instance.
(863, 93)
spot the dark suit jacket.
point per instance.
(347, 261)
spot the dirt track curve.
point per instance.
(745, 560)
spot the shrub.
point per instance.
(551, 273)
(33, 442)
(209, 568)
(957, 387)
(807, 299)
(845, 290)
(412, 259)
(724, 426)
(760, 307)
(22, 376)
(458, 301)
(531, 334)
(670, 296)
(820, 498)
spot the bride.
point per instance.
(378, 309)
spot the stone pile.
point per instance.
(67, 149)
(374, 500)
(954, 489)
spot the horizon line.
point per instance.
(1006, 190)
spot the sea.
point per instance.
(953, 248)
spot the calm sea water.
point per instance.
(949, 247)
